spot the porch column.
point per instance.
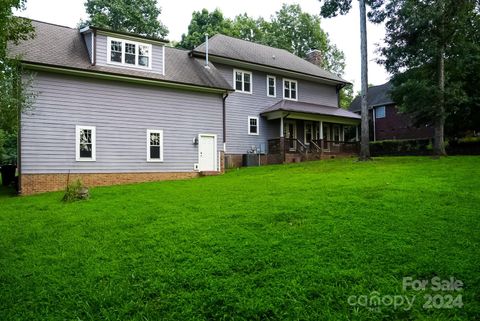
(356, 133)
(281, 126)
(343, 133)
(321, 129)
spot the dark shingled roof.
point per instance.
(61, 46)
(247, 51)
(300, 107)
(377, 96)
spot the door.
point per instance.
(290, 133)
(207, 151)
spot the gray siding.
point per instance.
(122, 113)
(240, 106)
(157, 55)
(88, 43)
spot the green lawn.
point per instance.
(292, 242)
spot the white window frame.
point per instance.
(154, 131)
(384, 112)
(137, 44)
(290, 90)
(258, 125)
(243, 81)
(274, 86)
(78, 128)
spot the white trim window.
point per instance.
(380, 112)
(129, 53)
(253, 126)
(85, 143)
(271, 86)
(154, 145)
(242, 81)
(290, 89)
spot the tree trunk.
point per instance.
(365, 139)
(438, 140)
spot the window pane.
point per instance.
(116, 51)
(238, 85)
(287, 93)
(130, 53)
(293, 85)
(143, 50)
(271, 82)
(246, 86)
(380, 112)
(287, 85)
(155, 139)
(246, 78)
(271, 91)
(85, 136)
(143, 61)
(155, 152)
(253, 129)
(86, 150)
(293, 94)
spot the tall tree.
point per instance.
(332, 8)
(14, 95)
(299, 32)
(205, 22)
(290, 28)
(426, 46)
(136, 16)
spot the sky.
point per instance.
(176, 15)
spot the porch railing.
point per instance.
(295, 146)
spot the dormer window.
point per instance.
(129, 53)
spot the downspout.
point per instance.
(374, 116)
(19, 149)
(224, 97)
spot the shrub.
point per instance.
(401, 147)
(75, 191)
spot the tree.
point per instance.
(289, 29)
(135, 16)
(13, 88)
(202, 23)
(346, 96)
(431, 48)
(332, 8)
(299, 32)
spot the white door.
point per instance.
(207, 149)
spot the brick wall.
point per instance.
(40, 183)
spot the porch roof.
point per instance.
(308, 108)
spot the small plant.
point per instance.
(75, 192)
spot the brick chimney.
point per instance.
(315, 57)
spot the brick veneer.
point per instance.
(40, 183)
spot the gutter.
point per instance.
(120, 77)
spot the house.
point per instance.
(386, 122)
(114, 107)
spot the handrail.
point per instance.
(315, 145)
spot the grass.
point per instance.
(272, 243)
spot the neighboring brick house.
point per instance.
(386, 122)
(115, 107)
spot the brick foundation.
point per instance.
(40, 183)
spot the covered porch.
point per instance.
(310, 131)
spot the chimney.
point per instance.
(314, 56)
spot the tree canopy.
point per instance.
(432, 47)
(136, 16)
(290, 29)
(12, 88)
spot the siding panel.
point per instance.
(239, 106)
(122, 113)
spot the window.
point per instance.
(154, 145)
(243, 81)
(85, 143)
(253, 125)
(290, 89)
(380, 112)
(336, 133)
(271, 86)
(129, 53)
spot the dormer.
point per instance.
(124, 50)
